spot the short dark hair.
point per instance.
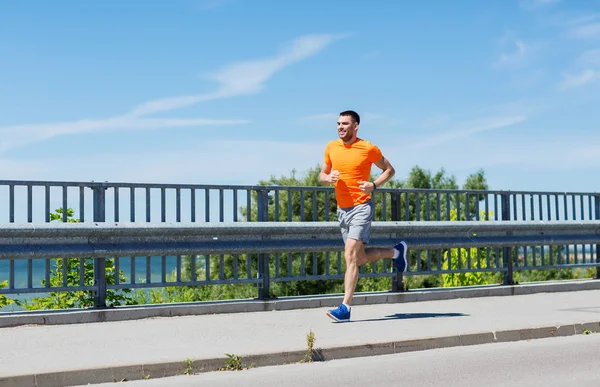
(352, 114)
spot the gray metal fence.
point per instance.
(101, 241)
(33, 202)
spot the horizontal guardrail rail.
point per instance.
(105, 240)
(262, 243)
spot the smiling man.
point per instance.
(347, 165)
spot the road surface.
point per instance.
(562, 361)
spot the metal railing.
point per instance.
(261, 242)
(33, 202)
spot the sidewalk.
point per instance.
(61, 355)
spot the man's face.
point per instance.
(347, 128)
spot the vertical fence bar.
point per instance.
(47, 263)
(221, 205)
(384, 206)
(193, 204)
(301, 205)
(506, 251)
(235, 205)
(597, 214)
(65, 202)
(11, 204)
(148, 269)
(289, 207)
(30, 204)
(178, 205)
(163, 204)
(276, 215)
(249, 206)
(47, 204)
(100, 263)
(207, 205)
(263, 259)
(314, 205)
(148, 209)
(496, 207)
(397, 280)
(81, 203)
(132, 205)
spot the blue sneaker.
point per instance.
(340, 314)
(401, 263)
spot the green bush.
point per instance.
(451, 262)
(5, 301)
(79, 298)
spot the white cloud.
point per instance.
(578, 20)
(590, 58)
(468, 129)
(580, 79)
(241, 78)
(579, 25)
(366, 118)
(510, 155)
(219, 162)
(514, 57)
(207, 5)
(323, 117)
(585, 70)
(245, 77)
(19, 135)
(586, 31)
(534, 4)
(249, 77)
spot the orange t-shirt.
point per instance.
(354, 163)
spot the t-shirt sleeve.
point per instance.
(326, 157)
(375, 154)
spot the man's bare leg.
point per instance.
(356, 255)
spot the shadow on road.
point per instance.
(406, 316)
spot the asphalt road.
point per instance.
(563, 361)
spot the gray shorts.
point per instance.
(355, 222)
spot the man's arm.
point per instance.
(388, 171)
(327, 176)
(387, 174)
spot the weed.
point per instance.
(233, 363)
(312, 354)
(188, 369)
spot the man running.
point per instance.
(347, 165)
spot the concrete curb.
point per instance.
(82, 316)
(161, 370)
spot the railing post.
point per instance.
(263, 259)
(397, 278)
(597, 216)
(100, 263)
(507, 257)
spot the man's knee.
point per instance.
(353, 250)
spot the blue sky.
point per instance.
(234, 91)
